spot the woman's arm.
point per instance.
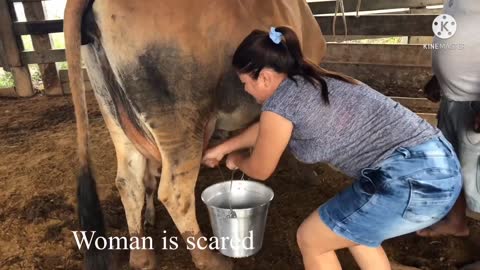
(246, 139)
(243, 140)
(273, 137)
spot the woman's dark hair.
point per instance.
(258, 51)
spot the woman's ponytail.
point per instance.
(280, 49)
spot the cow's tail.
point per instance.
(89, 210)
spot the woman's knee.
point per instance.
(311, 237)
(315, 236)
(302, 236)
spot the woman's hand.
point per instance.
(231, 161)
(213, 156)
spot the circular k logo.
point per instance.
(444, 26)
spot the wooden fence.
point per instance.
(392, 69)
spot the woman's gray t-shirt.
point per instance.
(359, 128)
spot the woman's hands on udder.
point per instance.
(232, 160)
(213, 156)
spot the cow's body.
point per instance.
(162, 76)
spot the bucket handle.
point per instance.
(233, 174)
(241, 178)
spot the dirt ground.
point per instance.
(37, 202)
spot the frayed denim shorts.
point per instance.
(411, 189)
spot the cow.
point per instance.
(162, 76)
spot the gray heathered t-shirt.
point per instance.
(456, 61)
(358, 129)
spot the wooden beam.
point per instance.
(390, 80)
(330, 38)
(21, 74)
(8, 92)
(63, 73)
(38, 27)
(34, 11)
(66, 87)
(43, 57)
(351, 5)
(380, 54)
(381, 25)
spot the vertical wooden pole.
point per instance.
(34, 12)
(21, 75)
(3, 57)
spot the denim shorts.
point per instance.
(411, 189)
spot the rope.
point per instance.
(359, 3)
(341, 5)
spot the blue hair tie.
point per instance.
(275, 36)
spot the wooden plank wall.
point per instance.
(41, 44)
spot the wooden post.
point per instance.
(41, 43)
(21, 75)
(3, 57)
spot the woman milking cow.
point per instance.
(407, 174)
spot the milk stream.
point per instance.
(232, 213)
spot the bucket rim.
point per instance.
(238, 180)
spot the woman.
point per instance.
(407, 175)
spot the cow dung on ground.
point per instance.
(37, 196)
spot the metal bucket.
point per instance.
(242, 235)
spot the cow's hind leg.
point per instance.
(151, 178)
(181, 159)
(131, 167)
(131, 164)
(129, 181)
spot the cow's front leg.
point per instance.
(181, 164)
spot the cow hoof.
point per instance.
(142, 259)
(214, 262)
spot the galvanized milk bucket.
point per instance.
(240, 234)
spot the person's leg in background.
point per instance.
(456, 121)
(474, 192)
(469, 151)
